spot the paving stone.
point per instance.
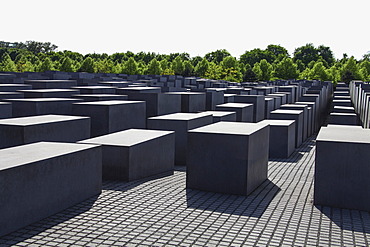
(160, 211)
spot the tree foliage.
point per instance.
(286, 69)
(273, 62)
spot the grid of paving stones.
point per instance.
(161, 212)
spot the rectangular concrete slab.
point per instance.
(227, 157)
(244, 112)
(24, 130)
(112, 115)
(136, 153)
(342, 171)
(181, 123)
(40, 179)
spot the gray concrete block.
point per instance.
(282, 137)
(347, 103)
(244, 112)
(99, 97)
(277, 101)
(13, 87)
(312, 115)
(343, 118)
(130, 90)
(258, 102)
(282, 96)
(49, 93)
(6, 110)
(40, 179)
(303, 108)
(181, 123)
(158, 103)
(44, 84)
(25, 130)
(291, 115)
(219, 116)
(96, 89)
(227, 157)
(11, 95)
(342, 168)
(136, 153)
(229, 98)
(42, 106)
(344, 109)
(269, 106)
(192, 102)
(113, 115)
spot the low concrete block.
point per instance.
(25, 130)
(96, 89)
(99, 97)
(113, 115)
(40, 179)
(181, 123)
(291, 115)
(219, 116)
(192, 102)
(342, 168)
(258, 102)
(42, 106)
(282, 137)
(236, 168)
(158, 103)
(49, 93)
(44, 84)
(303, 108)
(136, 153)
(6, 110)
(343, 118)
(11, 95)
(13, 87)
(244, 112)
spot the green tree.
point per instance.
(7, 64)
(214, 71)
(350, 71)
(306, 54)
(88, 65)
(46, 65)
(364, 70)
(67, 65)
(263, 70)
(256, 55)
(229, 62)
(104, 66)
(286, 69)
(326, 54)
(202, 68)
(23, 64)
(188, 68)
(249, 75)
(217, 56)
(334, 73)
(318, 72)
(154, 67)
(164, 64)
(130, 67)
(178, 66)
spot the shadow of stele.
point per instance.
(347, 219)
(40, 226)
(253, 205)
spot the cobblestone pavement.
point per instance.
(162, 212)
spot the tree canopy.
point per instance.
(273, 62)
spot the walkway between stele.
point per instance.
(160, 211)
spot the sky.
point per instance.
(193, 26)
